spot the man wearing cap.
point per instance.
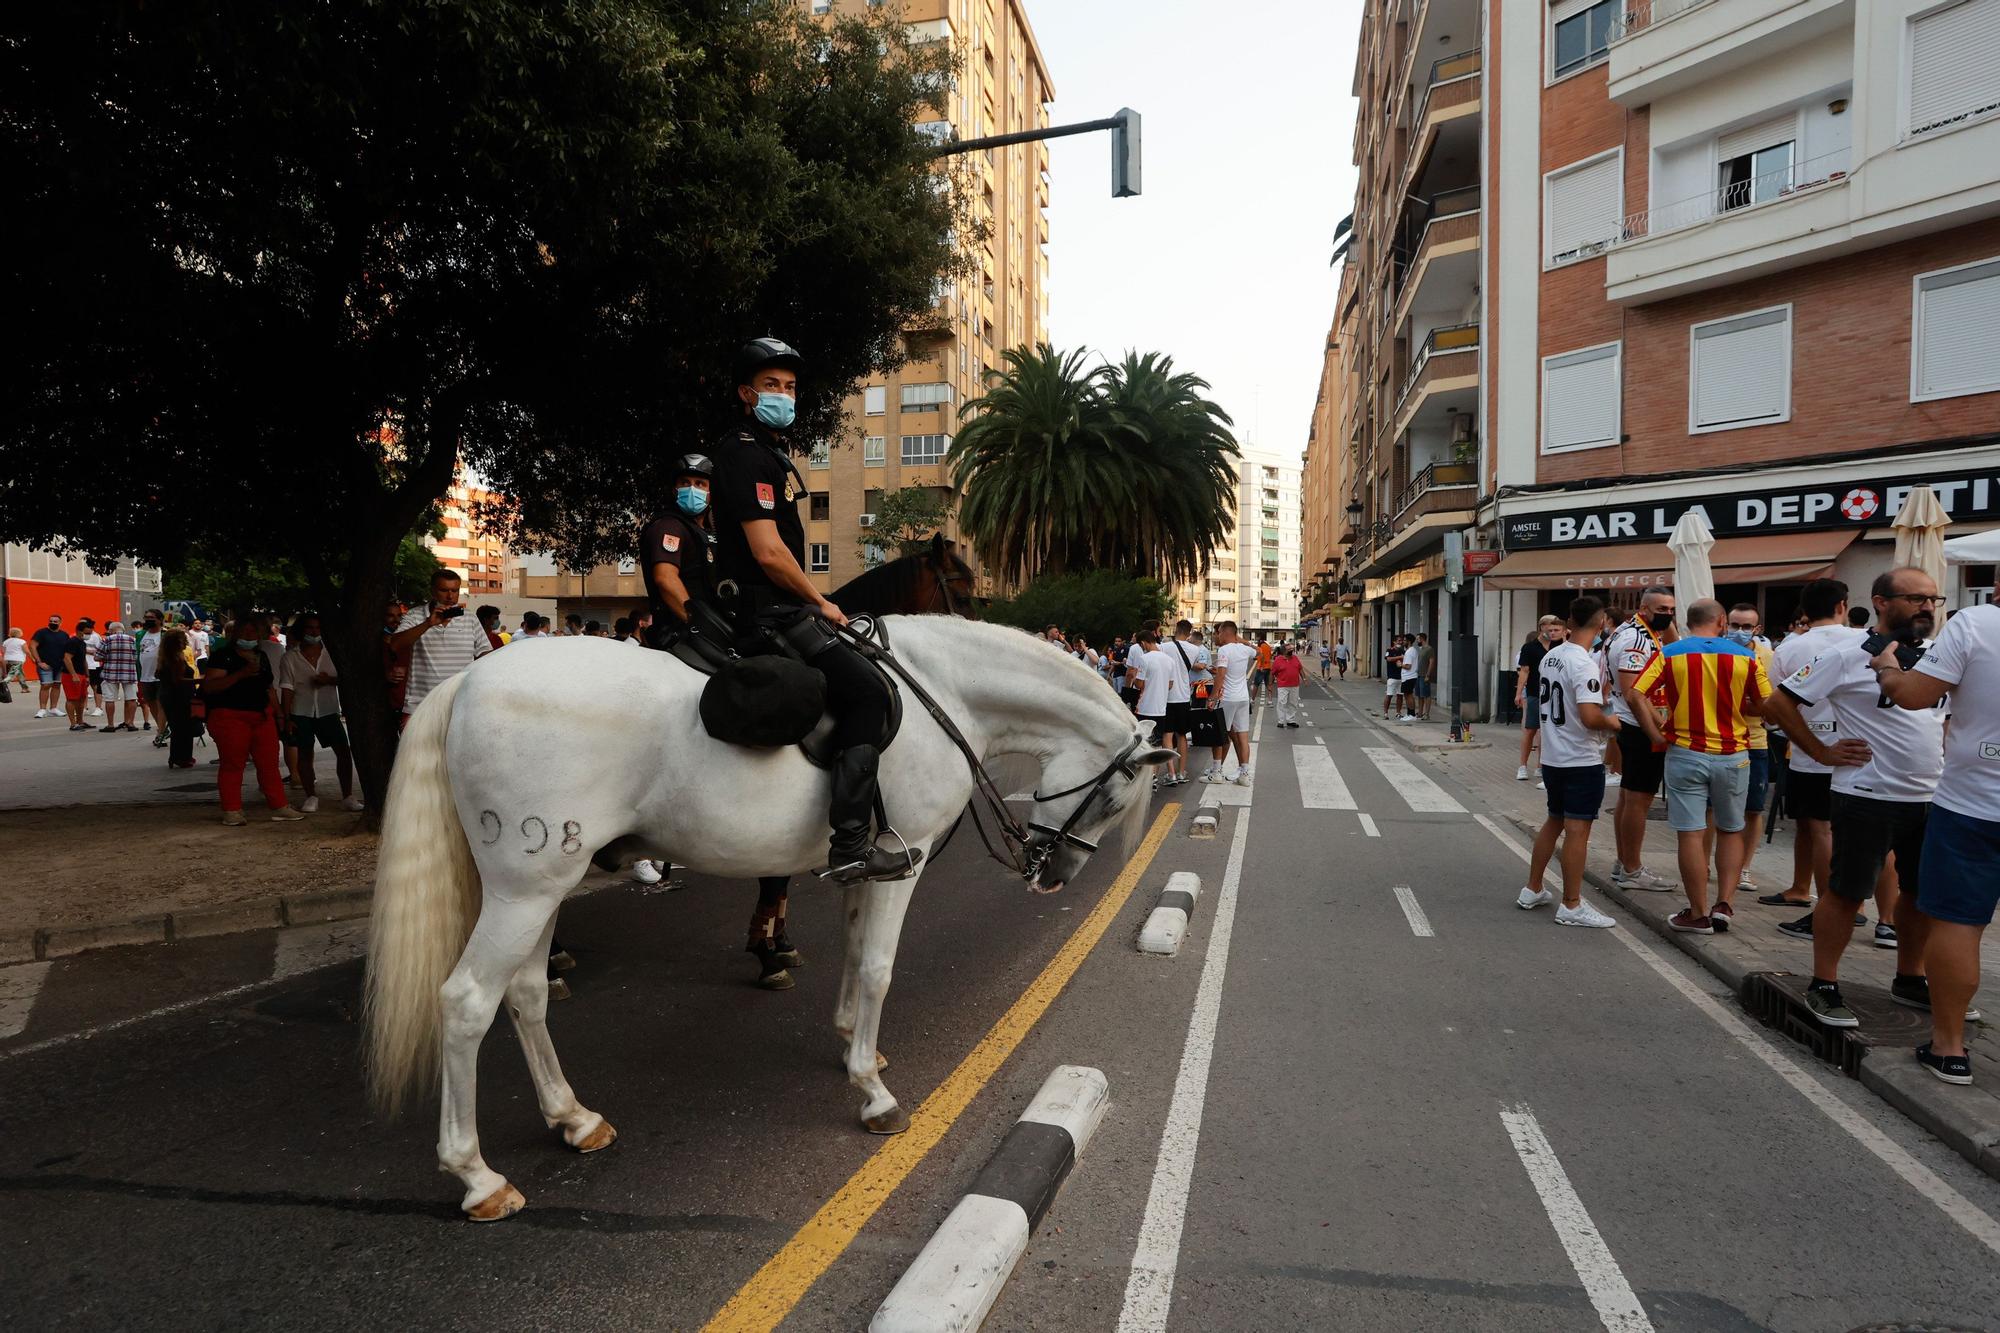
(760, 545)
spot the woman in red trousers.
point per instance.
(242, 703)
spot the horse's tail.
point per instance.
(426, 901)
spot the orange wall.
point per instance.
(30, 604)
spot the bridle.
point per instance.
(939, 563)
(1027, 846)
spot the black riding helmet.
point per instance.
(762, 352)
(695, 465)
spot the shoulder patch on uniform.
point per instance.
(671, 542)
(765, 496)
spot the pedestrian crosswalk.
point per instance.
(1320, 785)
(19, 985)
(1418, 792)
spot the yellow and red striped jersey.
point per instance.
(1708, 683)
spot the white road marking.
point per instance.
(1368, 826)
(1893, 1155)
(1550, 879)
(303, 948)
(19, 985)
(1421, 794)
(1228, 793)
(1149, 1290)
(1602, 1280)
(1320, 784)
(1420, 925)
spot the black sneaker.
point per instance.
(1800, 929)
(1950, 1068)
(1885, 936)
(1915, 993)
(1780, 900)
(1827, 1006)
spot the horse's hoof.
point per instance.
(558, 989)
(892, 1121)
(779, 980)
(501, 1204)
(600, 1138)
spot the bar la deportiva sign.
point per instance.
(1966, 496)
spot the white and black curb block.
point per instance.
(1205, 820)
(955, 1280)
(1164, 928)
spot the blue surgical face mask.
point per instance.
(692, 499)
(1742, 636)
(776, 410)
(246, 644)
(310, 638)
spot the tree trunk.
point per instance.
(351, 614)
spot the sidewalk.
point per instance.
(1968, 1118)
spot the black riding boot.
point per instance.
(853, 855)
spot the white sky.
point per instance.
(1247, 140)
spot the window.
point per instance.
(1754, 165)
(1583, 208)
(1580, 399)
(822, 456)
(821, 505)
(1954, 65)
(925, 448)
(1740, 371)
(1581, 34)
(822, 6)
(1955, 332)
(875, 400)
(925, 395)
(874, 450)
(819, 558)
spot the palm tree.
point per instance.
(1123, 467)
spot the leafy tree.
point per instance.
(1123, 467)
(213, 576)
(905, 519)
(293, 260)
(1099, 605)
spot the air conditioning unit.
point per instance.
(1461, 427)
(868, 520)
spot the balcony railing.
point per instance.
(1770, 187)
(1639, 15)
(1434, 477)
(1451, 69)
(1438, 342)
(1369, 538)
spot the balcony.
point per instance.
(1446, 120)
(1663, 46)
(1444, 262)
(1439, 488)
(1446, 366)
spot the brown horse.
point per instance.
(932, 581)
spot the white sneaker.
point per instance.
(1583, 914)
(1521, 773)
(1642, 878)
(354, 803)
(310, 805)
(41, 712)
(233, 819)
(1746, 882)
(285, 814)
(1242, 778)
(645, 872)
(93, 712)
(1530, 899)
(1212, 775)
(1613, 779)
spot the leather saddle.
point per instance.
(711, 646)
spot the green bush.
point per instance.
(1100, 605)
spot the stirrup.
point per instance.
(867, 868)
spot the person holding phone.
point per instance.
(440, 639)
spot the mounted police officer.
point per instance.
(760, 544)
(677, 549)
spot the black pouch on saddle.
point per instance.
(765, 701)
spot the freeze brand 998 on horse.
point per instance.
(775, 743)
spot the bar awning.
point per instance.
(1791, 557)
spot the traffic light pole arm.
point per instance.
(1124, 129)
(957, 146)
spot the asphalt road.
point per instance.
(1334, 1122)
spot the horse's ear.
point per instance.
(937, 545)
(1153, 758)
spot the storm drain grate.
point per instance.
(1778, 1001)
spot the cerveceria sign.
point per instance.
(1966, 496)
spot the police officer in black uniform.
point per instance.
(677, 549)
(760, 543)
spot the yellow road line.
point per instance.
(782, 1282)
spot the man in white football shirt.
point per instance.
(1808, 782)
(1235, 660)
(1887, 764)
(1629, 650)
(1153, 673)
(1959, 882)
(1574, 720)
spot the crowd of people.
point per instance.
(1881, 723)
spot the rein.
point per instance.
(1025, 851)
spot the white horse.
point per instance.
(502, 794)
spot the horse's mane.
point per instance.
(878, 585)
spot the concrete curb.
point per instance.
(1165, 928)
(1205, 819)
(1900, 1083)
(956, 1278)
(1405, 739)
(40, 943)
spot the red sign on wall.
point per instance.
(1478, 562)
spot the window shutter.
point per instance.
(1741, 370)
(875, 399)
(1580, 399)
(1784, 129)
(1954, 63)
(1958, 332)
(1585, 207)
(1564, 9)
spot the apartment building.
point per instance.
(480, 558)
(1325, 521)
(899, 427)
(1742, 254)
